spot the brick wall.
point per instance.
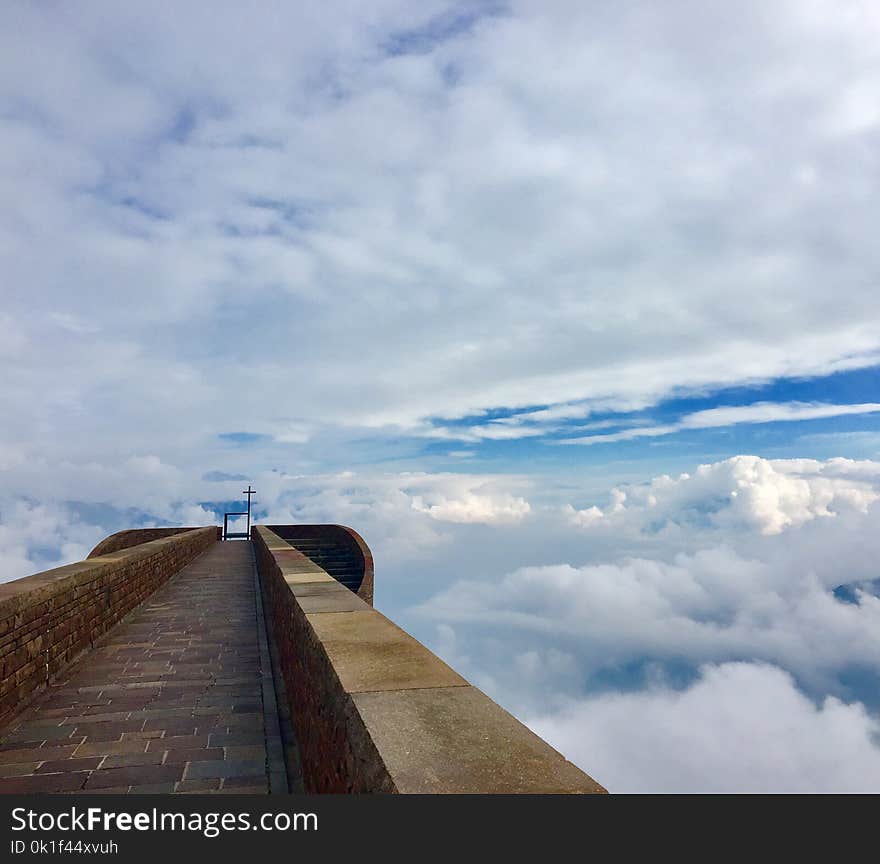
(133, 537)
(376, 711)
(48, 619)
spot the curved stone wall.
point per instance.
(376, 711)
(134, 537)
(338, 549)
(48, 619)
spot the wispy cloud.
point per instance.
(532, 424)
(732, 415)
(772, 412)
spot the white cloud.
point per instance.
(714, 604)
(769, 412)
(747, 491)
(737, 562)
(74, 324)
(583, 517)
(36, 537)
(474, 508)
(740, 728)
(624, 435)
(731, 415)
(12, 339)
(401, 514)
(240, 218)
(494, 430)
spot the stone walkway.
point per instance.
(172, 700)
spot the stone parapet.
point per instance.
(376, 711)
(134, 537)
(48, 619)
(341, 551)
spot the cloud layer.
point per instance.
(424, 212)
(741, 727)
(736, 603)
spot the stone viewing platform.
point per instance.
(170, 661)
(170, 701)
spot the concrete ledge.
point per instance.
(48, 619)
(376, 711)
(456, 739)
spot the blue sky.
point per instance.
(575, 299)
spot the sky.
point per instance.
(570, 309)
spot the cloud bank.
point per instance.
(737, 603)
(714, 631)
(741, 727)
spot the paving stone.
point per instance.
(225, 768)
(174, 757)
(178, 742)
(17, 769)
(39, 754)
(254, 751)
(95, 719)
(134, 776)
(205, 784)
(44, 783)
(106, 748)
(242, 722)
(108, 731)
(128, 760)
(162, 714)
(141, 736)
(180, 673)
(153, 789)
(235, 738)
(39, 733)
(244, 790)
(59, 765)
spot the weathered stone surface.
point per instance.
(307, 577)
(369, 652)
(48, 619)
(332, 600)
(181, 671)
(41, 783)
(134, 537)
(322, 588)
(456, 739)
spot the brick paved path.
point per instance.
(170, 701)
